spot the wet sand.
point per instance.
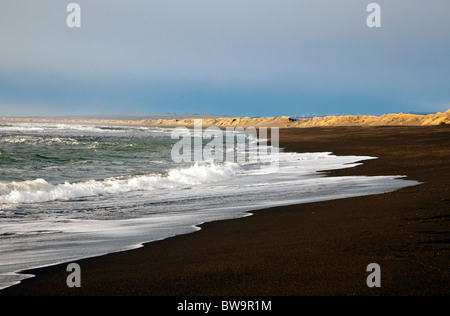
(309, 249)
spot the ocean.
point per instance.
(72, 191)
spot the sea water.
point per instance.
(71, 191)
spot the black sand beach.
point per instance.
(309, 249)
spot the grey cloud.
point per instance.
(321, 45)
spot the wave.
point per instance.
(40, 191)
(38, 127)
(34, 140)
(46, 127)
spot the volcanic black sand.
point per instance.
(310, 249)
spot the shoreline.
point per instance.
(266, 259)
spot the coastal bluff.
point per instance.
(398, 119)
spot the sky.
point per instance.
(224, 57)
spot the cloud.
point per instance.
(240, 47)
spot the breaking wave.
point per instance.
(39, 190)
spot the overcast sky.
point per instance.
(233, 57)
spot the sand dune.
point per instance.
(399, 119)
(383, 120)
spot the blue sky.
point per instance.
(225, 57)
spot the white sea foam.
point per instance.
(38, 127)
(63, 128)
(39, 190)
(33, 140)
